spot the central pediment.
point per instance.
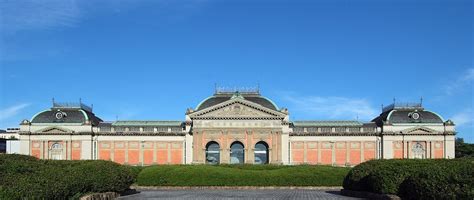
(419, 130)
(237, 108)
(54, 130)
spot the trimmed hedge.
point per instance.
(452, 181)
(414, 178)
(25, 177)
(241, 175)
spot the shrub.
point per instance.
(241, 175)
(446, 181)
(387, 176)
(24, 177)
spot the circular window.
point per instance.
(415, 115)
(59, 115)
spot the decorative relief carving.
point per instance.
(369, 145)
(148, 145)
(326, 145)
(298, 145)
(355, 145)
(119, 145)
(161, 145)
(419, 130)
(133, 145)
(312, 145)
(237, 110)
(176, 146)
(340, 145)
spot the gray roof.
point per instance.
(220, 98)
(147, 123)
(327, 123)
(404, 116)
(73, 115)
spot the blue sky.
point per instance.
(320, 59)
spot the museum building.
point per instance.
(236, 127)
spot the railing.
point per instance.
(71, 105)
(408, 105)
(242, 90)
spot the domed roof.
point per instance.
(405, 116)
(399, 114)
(222, 97)
(62, 114)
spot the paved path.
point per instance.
(237, 194)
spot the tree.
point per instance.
(463, 149)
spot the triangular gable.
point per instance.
(54, 129)
(237, 108)
(419, 130)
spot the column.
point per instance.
(333, 152)
(154, 153)
(112, 150)
(140, 152)
(348, 152)
(125, 146)
(432, 149)
(319, 152)
(169, 152)
(305, 154)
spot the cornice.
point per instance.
(140, 133)
(335, 134)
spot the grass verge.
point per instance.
(241, 175)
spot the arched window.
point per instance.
(56, 151)
(237, 153)
(418, 150)
(261, 153)
(56, 146)
(212, 153)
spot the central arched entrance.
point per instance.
(212, 153)
(237, 155)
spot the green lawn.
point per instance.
(241, 175)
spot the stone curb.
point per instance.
(101, 196)
(369, 195)
(235, 187)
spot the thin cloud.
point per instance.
(463, 81)
(12, 111)
(464, 118)
(31, 14)
(332, 107)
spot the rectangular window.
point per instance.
(298, 129)
(105, 129)
(119, 129)
(369, 129)
(176, 129)
(148, 129)
(312, 129)
(134, 129)
(354, 129)
(162, 129)
(340, 129)
(326, 129)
